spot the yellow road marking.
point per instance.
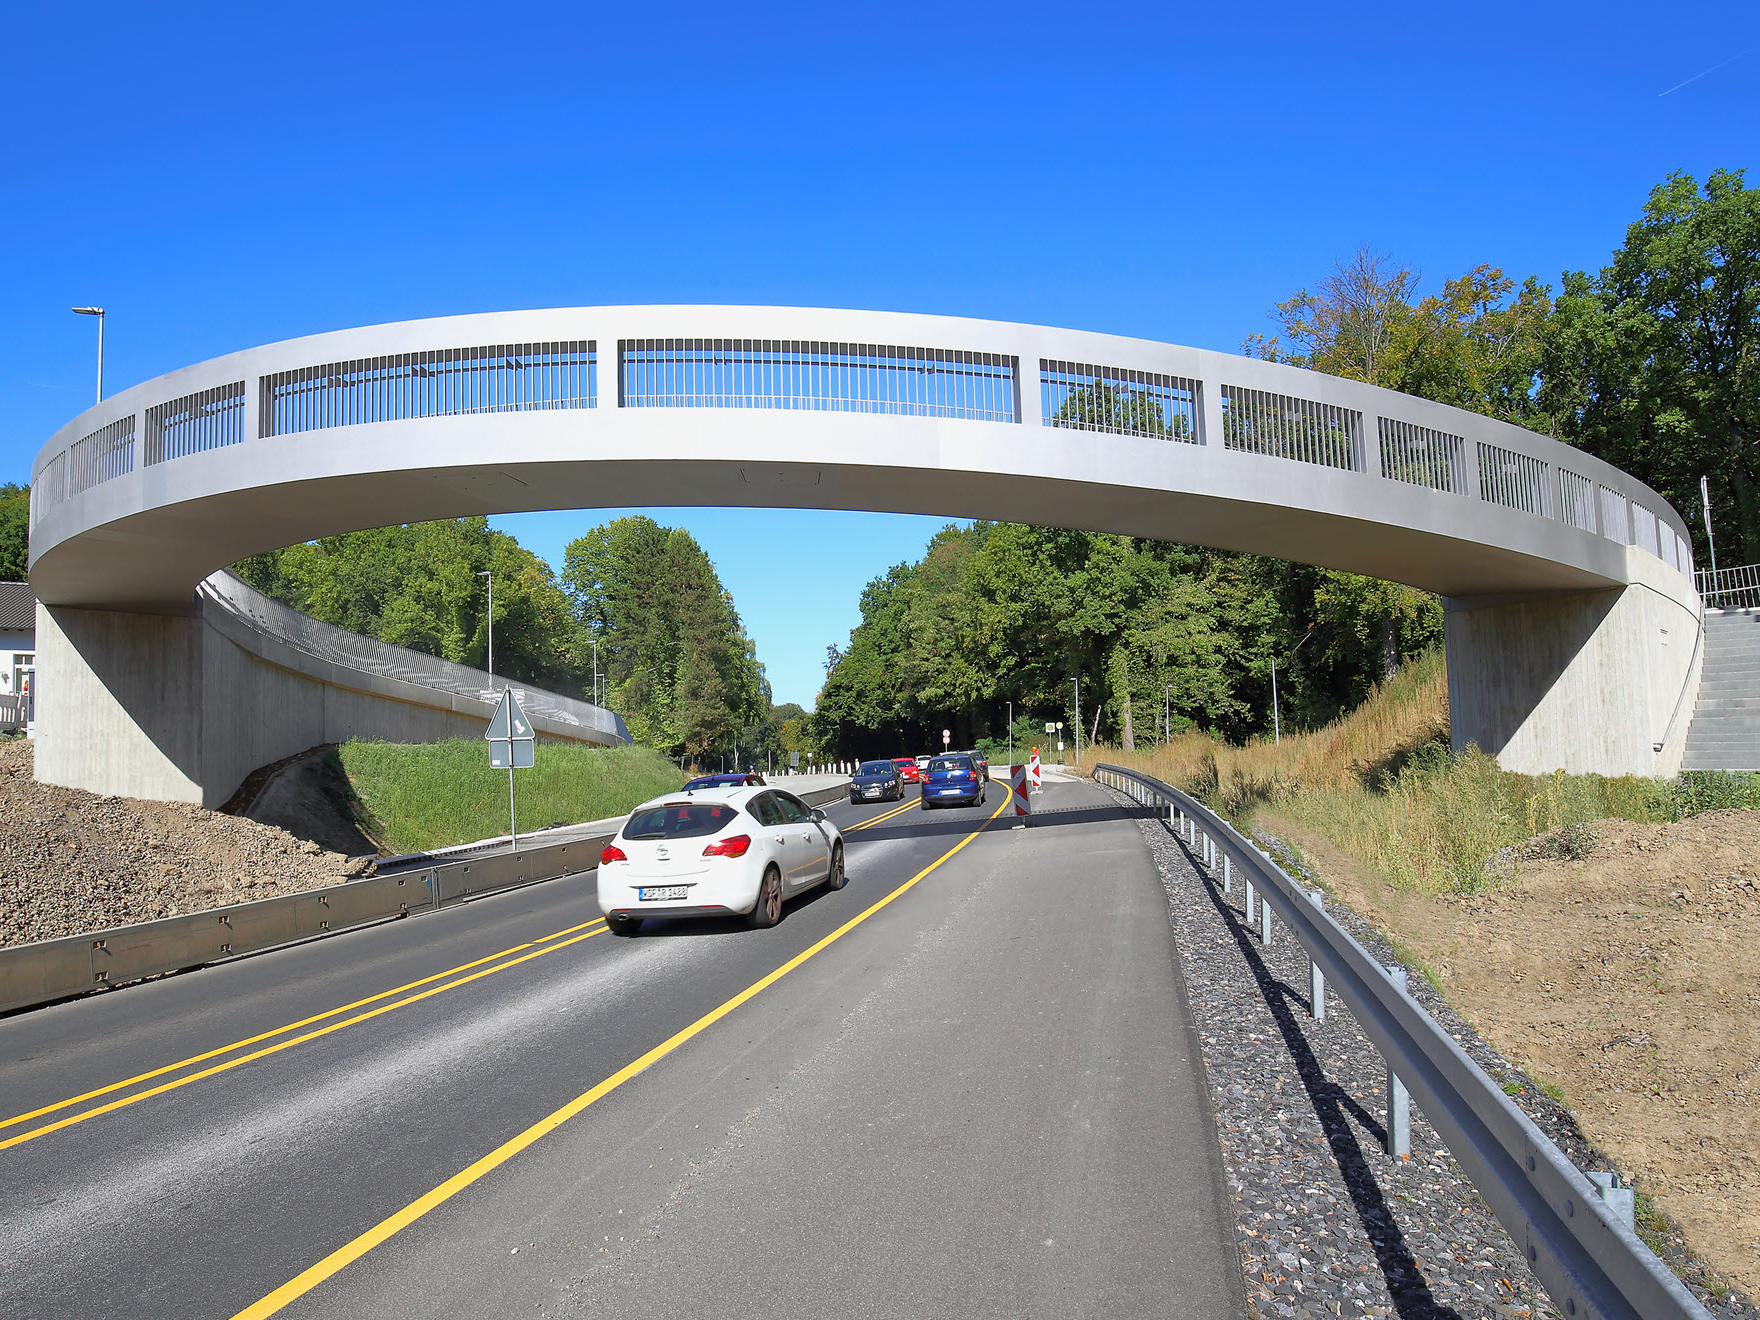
(302, 1283)
(267, 1050)
(291, 1026)
(881, 818)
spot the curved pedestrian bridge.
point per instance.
(139, 499)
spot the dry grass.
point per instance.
(1382, 784)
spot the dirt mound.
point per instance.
(72, 861)
(1630, 980)
(308, 796)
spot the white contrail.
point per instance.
(1713, 69)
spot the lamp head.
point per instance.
(89, 311)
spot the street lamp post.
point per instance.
(490, 574)
(1011, 734)
(1276, 720)
(99, 313)
(1167, 712)
(1078, 682)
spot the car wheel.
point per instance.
(767, 911)
(835, 878)
(625, 926)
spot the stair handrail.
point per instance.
(1698, 642)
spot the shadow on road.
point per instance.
(1341, 1117)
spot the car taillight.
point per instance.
(734, 846)
(611, 853)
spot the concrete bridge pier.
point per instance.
(180, 707)
(1599, 682)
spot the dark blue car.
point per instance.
(875, 781)
(953, 781)
(743, 779)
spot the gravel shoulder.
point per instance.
(1328, 1225)
(71, 861)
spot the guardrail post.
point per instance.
(1264, 923)
(1399, 1102)
(1619, 1197)
(1247, 902)
(1316, 977)
(1227, 876)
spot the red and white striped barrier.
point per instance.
(1038, 777)
(1017, 789)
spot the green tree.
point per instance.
(15, 532)
(1655, 363)
(417, 585)
(678, 664)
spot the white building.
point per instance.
(18, 644)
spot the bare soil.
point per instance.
(72, 861)
(1630, 981)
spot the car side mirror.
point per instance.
(817, 815)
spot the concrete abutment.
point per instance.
(180, 708)
(1597, 682)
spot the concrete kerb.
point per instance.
(73, 965)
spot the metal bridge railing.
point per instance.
(1729, 588)
(1591, 1262)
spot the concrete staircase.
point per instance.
(1725, 732)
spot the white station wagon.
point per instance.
(716, 851)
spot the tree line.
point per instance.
(1160, 637)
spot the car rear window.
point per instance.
(942, 764)
(680, 820)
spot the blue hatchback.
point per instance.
(952, 781)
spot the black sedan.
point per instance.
(875, 781)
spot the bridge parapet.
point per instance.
(139, 499)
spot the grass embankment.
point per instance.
(417, 796)
(1382, 785)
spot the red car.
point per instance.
(907, 768)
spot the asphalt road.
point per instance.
(982, 1099)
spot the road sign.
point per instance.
(1050, 727)
(510, 739)
(510, 736)
(1017, 789)
(946, 737)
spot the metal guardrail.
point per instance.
(1735, 588)
(1592, 1263)
(78, 964)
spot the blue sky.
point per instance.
(222, 176)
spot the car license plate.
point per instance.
(951, 792)
(872, 792)
(662, 893)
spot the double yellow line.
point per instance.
(301, 1284)
(526, 952)
(465, 973)
(882, 818)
